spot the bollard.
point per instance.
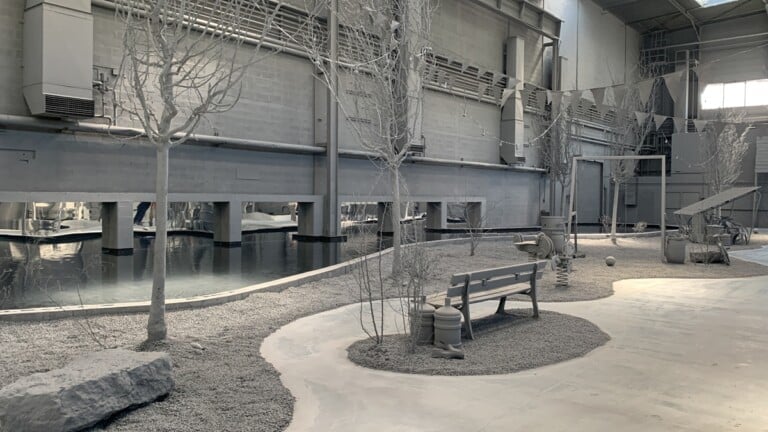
(447, 325)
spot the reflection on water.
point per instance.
(38, 275)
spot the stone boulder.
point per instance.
(86, 391)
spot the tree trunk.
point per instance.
(156, 328)
(616, 187)
(396, 231)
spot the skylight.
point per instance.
(710, 3)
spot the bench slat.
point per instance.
(439, 298)
(499, 271)
(490, 284)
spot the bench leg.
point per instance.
(502, 303)
(467, 321)
(535, 302)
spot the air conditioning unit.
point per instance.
(58, 58)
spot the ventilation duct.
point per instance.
(58, 58)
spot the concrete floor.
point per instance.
(685, 355)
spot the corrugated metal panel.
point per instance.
(761, 156)
(716, 200)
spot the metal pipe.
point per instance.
(34, 124)
(331, 222)
(690, 17)
(725, 39)
(31, 123)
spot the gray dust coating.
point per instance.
(503, 344)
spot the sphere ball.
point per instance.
(610, 261)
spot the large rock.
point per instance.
(89, 389)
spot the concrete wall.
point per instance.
(277, 104)
(461, 129)
(93, 168)
(11, 20)
(599, 48)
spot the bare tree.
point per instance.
(557, 148)
(382, 59)
(183, 60)
(724, 150)
(627, 137)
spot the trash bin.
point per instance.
(675, 249)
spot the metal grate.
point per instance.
(67, 106)
(292, 28)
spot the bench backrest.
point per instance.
(489, 279)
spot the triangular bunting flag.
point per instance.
(541, 100)
(644, 88)
(599, 94)
(575, 99)
(659, 120)
(506, 95)
(641, 117)
(619, 93)
(680, 125)
(700, 125)
(608, 98)
(675, 85)
(557, 99)
(549, 95)
(603, 109)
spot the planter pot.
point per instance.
(675, 250)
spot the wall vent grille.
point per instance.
(68, 107)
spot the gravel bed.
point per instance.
(229, 386)
(503, 344)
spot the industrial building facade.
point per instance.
(478, 125)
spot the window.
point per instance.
(710, 3)
(757, 93)
(733, 95)
(736, 94)
(712, 96)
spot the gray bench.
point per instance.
(491, 284)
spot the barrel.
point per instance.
(554, 228)
(422, 321)
(447, 325)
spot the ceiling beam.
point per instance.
(690, 17)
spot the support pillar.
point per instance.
(117, 228)
(512, 124)
(384, 216)
(116, 269)
(227, 224)
(227, 260)
(437, 215)
(331, 218)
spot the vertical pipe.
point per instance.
(331, 207)
(663, 160)
(573, 193)
(687, 85)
